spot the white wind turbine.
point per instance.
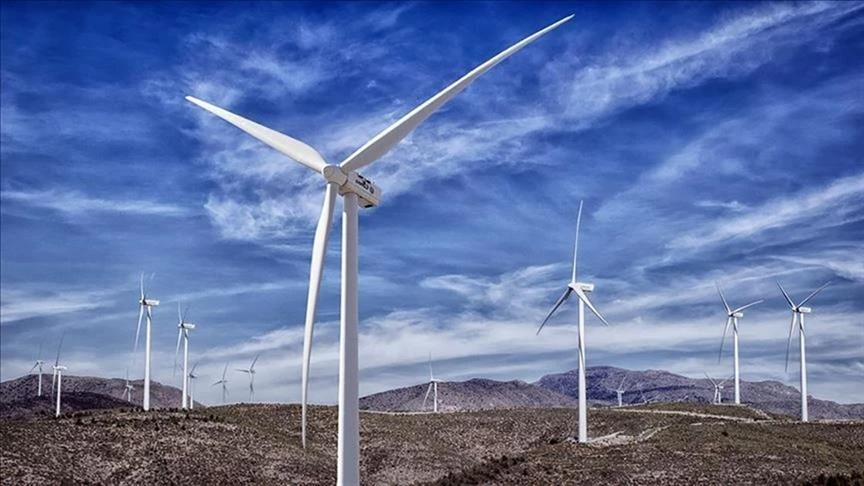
(732, 317)
(718, 389)
(191, 377)
(355, 190)
(620, 391)
(145, 304)
(224, 383)
(581, 290)
(58, 376)
(433, 388)
(251, 372)
(127, 392)
(39, 364)
(798, 312)
(183, 330)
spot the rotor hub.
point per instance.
(367, 192)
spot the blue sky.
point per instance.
(710, 142)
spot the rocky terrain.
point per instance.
(460, 396)
(260, 444)
(79, 393)
(662, 386)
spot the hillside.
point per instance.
(460, 396)
(22, 391)
(260, 444)
(662, 386)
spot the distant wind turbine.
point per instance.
(127, 392)
(433, 387)
(732, 317)
(581, 290)
(224, 383)
(718, 389)
(251, 372)
(192, 376)
(355, 190)
(183, 329)
(798, 312)
(39, 364)
(145, 304)
(58, 374)
(620, 391)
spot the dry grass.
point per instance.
(260, 444)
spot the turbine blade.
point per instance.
(34, 367)
(622, 382)
(428, 390)
(789, 342)
(254, 361)
(179, 315)
(789, 300)
(389, 137)
(814, 293)
(555, 307)
(751, 304)
(176, 352)
(142, 285)
(291, 147)
(59, 347)
(316, 269)
(224, 371)
(138, 329)
(576, 244)
(431, 376)
(723, 298)
(723, 338)
(588, 303)
(711, 379)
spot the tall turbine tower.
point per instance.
(732, 317)
(145, 304)
(39, 364)
(251, 372)
(355, 190)
(581, 290)
(127, 392)
(58, 374)
(183, 330)
(224, 383)
(798, 312)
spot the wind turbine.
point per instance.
(433, 387)
(58, 374)
(732, 317)
(798, 312)
(183, 329)
(39, 364)
(718, 389)
(145, 304)
(251, 372)
(620, 392)
(224, 383)
(127, 392)
(192, 376)
(355, 190)
(581, 290)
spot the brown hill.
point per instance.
(460, 396)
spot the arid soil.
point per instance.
(260, 444)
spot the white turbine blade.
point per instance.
(555, 307)
(576, 244)
(142, 286)
(622, 382)
(59, 347)
(34, 367)
(384, 141)
(316, 269)
(791, 304)
(588, 303)
(291, 147)
(254, 361)
(751, 304)
(138, 329)
(177, 351)
(723, 298)
(428, 390)
(179, 315)
(723, 338)
(814, 293)
(431, 376)
(789, 342)
(224, 371)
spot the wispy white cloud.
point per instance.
(17, 305)
(76, 204)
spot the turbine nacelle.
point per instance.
(186, 325)
(149, 302)
(737, 314)
(803, 310)
(368, 193)
(585, 287)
